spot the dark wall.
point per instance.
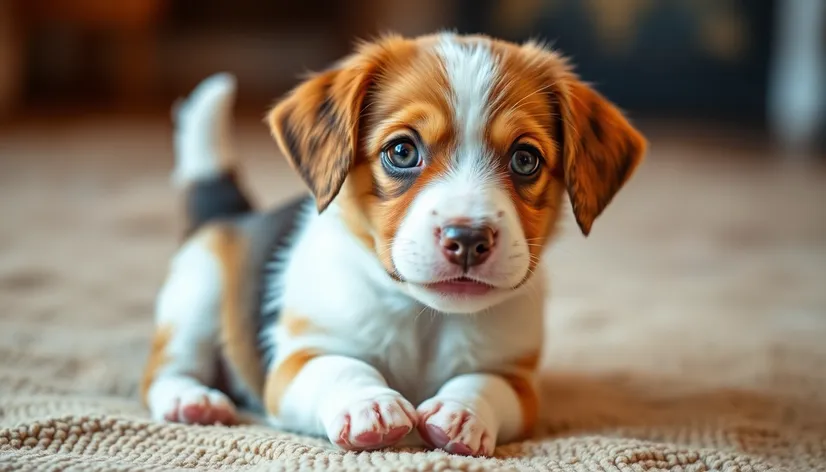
(665, 57)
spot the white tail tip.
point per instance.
(203, 147)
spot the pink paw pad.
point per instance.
(452, 427)
(201, 406)
(369, 438)
(373, 424)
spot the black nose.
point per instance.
(467, 246)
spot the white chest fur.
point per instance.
(354, 309)
(421, 352)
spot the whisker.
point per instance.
(416, 318)
(543, 88)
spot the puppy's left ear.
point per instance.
(601, 149)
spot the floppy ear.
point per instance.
(316, 125)
(601, 150)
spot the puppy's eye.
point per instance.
(401, 154)
(525, 161)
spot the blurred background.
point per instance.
(757, 64)
(706, 274)
(730, 94)
(724, 223)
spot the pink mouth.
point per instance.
(462, 287)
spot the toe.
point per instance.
(460, 449)
(409, 411)
(396, 434)
(365, 419)
(488, 444)
(224, 416)
(206, 408)
(223, 411)
(341, 426)
(194, 411)
(396, 421)
(368, 439)
(436, 436)
(428, 409)
(455, 429)
(172, 413)
(373, 424)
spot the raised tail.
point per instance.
(205, 159)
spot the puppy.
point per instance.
(406, 294)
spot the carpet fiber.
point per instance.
(687, 333)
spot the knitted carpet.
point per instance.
(687, 333)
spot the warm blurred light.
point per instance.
(756, 64)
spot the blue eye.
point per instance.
(401, 154)
(525, 162)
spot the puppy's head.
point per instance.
(448, 157)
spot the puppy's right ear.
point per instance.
(316, 125)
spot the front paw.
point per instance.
(452, 426)
(372, 423)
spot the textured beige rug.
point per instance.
(688, 333)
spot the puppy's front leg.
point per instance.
(472, 413)
(343, 398)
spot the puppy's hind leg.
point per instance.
(184, 356)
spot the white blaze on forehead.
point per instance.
(471, 71)
(470, 190)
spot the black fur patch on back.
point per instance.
(220, 197)
(281, 225)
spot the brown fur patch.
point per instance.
(355, 198)
(317, 125)
(333, 127)
(528, 401)
(528, 361)
(238, 334)
(523, 114)
(408, 98)
(602, 150)
(388, 215)
(157, 359)
(588, 146)
(280, 378)
(295, 324)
